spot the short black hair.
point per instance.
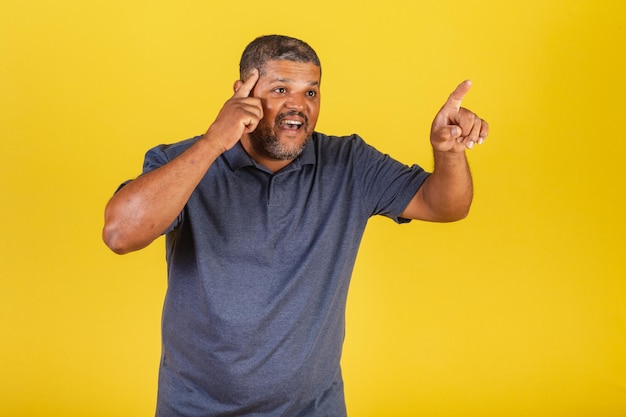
(274, 47)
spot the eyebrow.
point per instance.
(289, 80)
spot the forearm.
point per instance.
(143, 209)
(446, 195)
(448, 191)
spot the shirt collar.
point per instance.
(238, 158)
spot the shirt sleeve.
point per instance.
(155, 158)
(387, 185)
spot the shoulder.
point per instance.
(337, 141)
(342, 147)
(327, 144)
(162, 154)
(172, 150)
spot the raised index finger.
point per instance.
(455, 99)
(245, 88)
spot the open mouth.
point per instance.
(291, 124)
(291, 121)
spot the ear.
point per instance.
(237, 85)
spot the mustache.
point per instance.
(281, 116)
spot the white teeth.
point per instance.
(292, 122)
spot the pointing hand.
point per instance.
(456, 128)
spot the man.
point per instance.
(263, 218)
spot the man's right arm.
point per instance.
(143, 209)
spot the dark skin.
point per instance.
(144, 208)
(447, 193)
(285, 88)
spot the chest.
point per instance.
(285, 214)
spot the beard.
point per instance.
(266, 143)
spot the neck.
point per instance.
(268, 162)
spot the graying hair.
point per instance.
(274, 47)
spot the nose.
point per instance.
(295, 102)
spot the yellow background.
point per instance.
(519, 310)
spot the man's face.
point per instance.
(290, 95)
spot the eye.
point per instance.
(311, 93)
(280, 90)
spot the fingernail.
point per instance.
(455, 131)
(470, 144)
(480, 141)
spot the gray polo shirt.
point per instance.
(258, 270)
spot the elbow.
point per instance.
(123, 238)
(117, 232)
(451, 216)
(457, 210)
(119, 237)
(459, 216)
(113, 239)
(462, 213)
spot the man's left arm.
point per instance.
(446, 195)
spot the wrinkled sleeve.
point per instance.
(387, 185)
(155, 158)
